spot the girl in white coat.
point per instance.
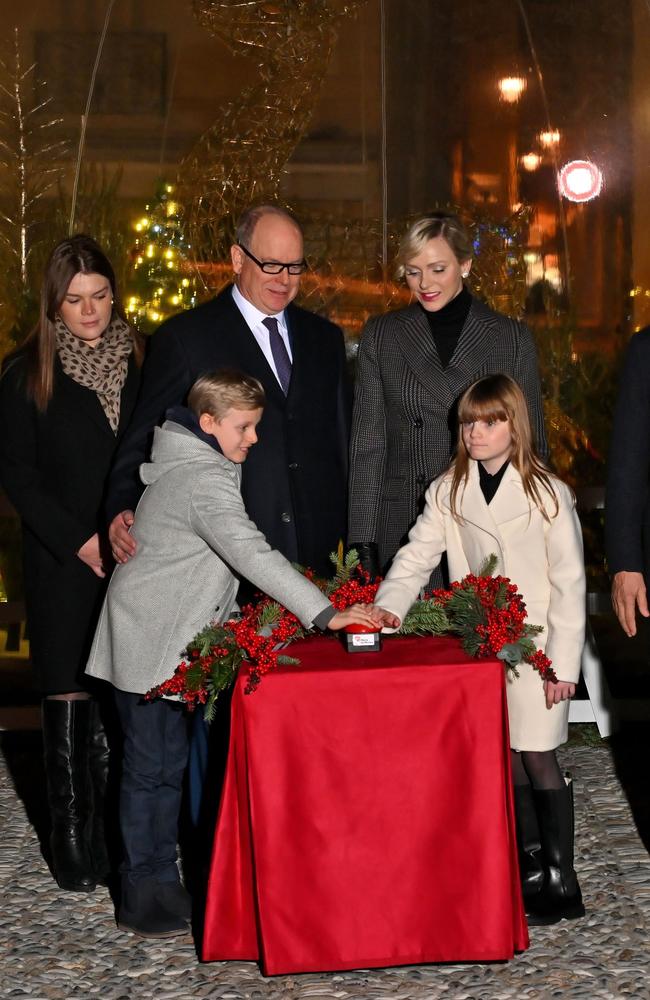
(498, 497)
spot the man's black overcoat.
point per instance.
(295, 478)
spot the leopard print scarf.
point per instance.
(102, 368)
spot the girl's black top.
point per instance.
(490, 484)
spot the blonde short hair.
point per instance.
(444, 224)
(217, 392)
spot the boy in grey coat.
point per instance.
(193, 535)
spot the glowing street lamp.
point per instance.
(531, 161)
(580, 180)
(511, 88)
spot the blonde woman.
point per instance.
(414, 363)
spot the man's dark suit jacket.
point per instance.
(295, 478)
(627, 507)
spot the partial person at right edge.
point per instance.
(627, 510)
(414, 364)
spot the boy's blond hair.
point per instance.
(219, 391)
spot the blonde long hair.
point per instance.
(499, 397)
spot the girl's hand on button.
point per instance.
(384, 618)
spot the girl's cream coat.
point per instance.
(544, 560)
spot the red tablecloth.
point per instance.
(367, 817)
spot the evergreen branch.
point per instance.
(344, 568)
(488, 566)
(270, 614)
(425, 618)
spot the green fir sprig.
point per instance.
(344, 568)
(425, 618)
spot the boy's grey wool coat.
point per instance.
(193, 535)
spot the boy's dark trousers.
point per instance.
(155, 750)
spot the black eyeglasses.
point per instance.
(274, 266)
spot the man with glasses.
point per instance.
(295, 480)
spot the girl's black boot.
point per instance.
(529, 844)
(560, 898)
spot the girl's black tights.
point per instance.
(538, 768)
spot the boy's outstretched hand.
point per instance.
(356, 614)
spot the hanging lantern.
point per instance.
(580, 180)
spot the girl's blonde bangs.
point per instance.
(470, 410)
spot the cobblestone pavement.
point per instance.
(57, 945)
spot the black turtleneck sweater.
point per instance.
(446, 323)
(490, 483)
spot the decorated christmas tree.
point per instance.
(161, 282)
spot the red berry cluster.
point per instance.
(359, 589)
(491, 608)
(504, 611)
(190, 681)
(541, 663)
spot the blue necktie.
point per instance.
(279, 352)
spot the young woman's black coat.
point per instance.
(53, 467)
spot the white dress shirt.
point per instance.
(254, 318)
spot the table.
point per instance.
(367, 817)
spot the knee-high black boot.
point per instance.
(529, 843)
(560, 898)
(98, 757)
(65, 739)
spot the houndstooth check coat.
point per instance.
(403, 426)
